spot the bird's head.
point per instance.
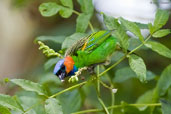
(64, 68)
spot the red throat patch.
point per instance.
(69, 63)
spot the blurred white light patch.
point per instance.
(114, 90)
(165, 4)
(133, 10)
(142, 11)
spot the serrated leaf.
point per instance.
(4, 110)
(138, 66)
(159, 48)
(82, 22)
(49, 9)
(71, 101)
(51, 62)
(126, 73)
(65, 12)
(122, 36)
(9, 102)
(161, 33)
(161, 19)
(67, 3)
(165, 81)
(110, 22)
(30, 86)
(52, 106)
(86, 6)
(165, 106)
(70, 40)
(132, 27)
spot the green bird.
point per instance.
(87, 52)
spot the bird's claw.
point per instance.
(73, 79)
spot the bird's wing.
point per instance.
(89, 43)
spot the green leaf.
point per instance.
(161, 19)
(56, 39)
(9, 102)
(65, 12)
(51, 80)
(123, 74)
(30, 86)
(134, 43)
(71, 101)
(110, 22)
(165, 106)
(165, 81)
(49, 9)
(126, 73)
(161, 33)
(138, 66)
(4, 110)
(86, 6)
(151, 28)
(52, 106)
(82, 22)
(50, 63)
(18, 102)
(28, 99)
(70, 40)
(145, 98)
(132, 27)
(67, 3)
(159, 48)
(141, 25)
(123, 38)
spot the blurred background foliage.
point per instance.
(29, 63)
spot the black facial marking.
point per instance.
(62, 73)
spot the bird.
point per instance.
(88, 52)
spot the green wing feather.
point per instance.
(89, 43)
(93, 49)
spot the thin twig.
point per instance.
(98, 92)
(68, 89)
(115, 106)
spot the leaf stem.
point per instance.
(116, 106)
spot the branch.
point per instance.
(115, 106)
(68, 89)
(98, 92)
